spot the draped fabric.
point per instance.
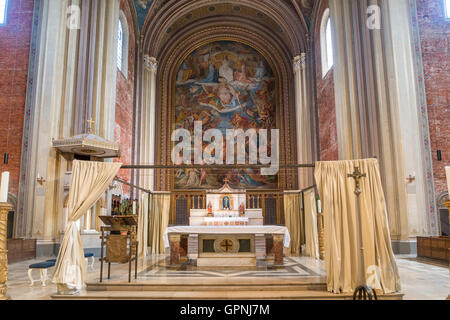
(89, 181)
(342, 250)
(142, 232)
(294, 221)
(159, 221)
(311, 232)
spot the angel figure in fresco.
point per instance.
(241, 76)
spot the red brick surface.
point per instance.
(14, 55)
(123, 131)
(434, 35)
(325, 100)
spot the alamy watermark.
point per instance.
(254, 141)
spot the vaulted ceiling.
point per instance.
(303, 8)
(286, 21)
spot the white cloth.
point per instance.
(228, 230)
(311, 232)
(89, 181)
(142, 231)
(159, 220)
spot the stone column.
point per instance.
(66, 58)
(174, 240)
(376, 102)
(303, 117)
(148, 121)
(4, 209)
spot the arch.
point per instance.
(123, 42)
(273, 16)
(277, 59)
(326, 43)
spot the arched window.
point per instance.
(3, 9)
(447, 8)
(326, 43)
(122, 45)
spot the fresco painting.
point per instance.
(225, 85)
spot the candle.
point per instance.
(134, 207)
(447, 172)
(319, 206)
(4, 187)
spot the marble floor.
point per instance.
(420, 280)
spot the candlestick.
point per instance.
(4, 187)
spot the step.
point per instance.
(214, 295)
(213, 284)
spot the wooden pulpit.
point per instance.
(119, 237)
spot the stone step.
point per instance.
(209, 287)
(215, 295)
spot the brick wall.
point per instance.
(434, 34)
(14, 55)
(123, 131)
(325, 100)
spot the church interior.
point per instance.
(224, 149)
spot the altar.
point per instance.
(226, 234)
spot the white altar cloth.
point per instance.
(228, 230)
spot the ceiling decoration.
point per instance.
(142, 9)
(306, 7)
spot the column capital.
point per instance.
(300, 62)
(150, 63)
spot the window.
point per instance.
(326, 43)
(447, 8)
(3, 7)
(122, 45)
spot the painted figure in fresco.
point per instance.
(213, 75)
(260, 71)
(226, 71)
(225, 85)
(241, 75)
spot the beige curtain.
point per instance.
(142, 232)
(159, 221)
(89, 181)
(311, 232)
(294, 221)
(342, 251)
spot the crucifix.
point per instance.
(363, 289)
(91, 123)
(226, 245)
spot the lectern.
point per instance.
(119, 236)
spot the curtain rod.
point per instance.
(217, 166)
(131, 185)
